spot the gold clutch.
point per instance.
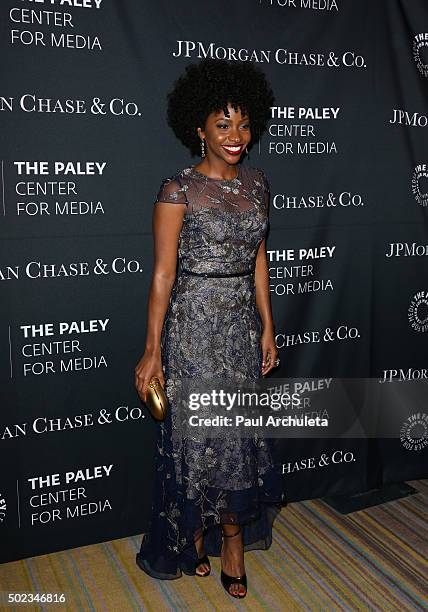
(156, 399)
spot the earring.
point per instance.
(202, 147)
(247, 153)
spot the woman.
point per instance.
(211, 319)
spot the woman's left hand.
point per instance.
(270, 352)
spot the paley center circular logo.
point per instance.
(419, 42)
(3, 508)
(414, 432)
(420, 172)
(418, 311)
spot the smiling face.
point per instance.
(226, 136)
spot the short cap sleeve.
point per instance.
(172, 191)
(265, 187)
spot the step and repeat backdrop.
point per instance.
(84, 148)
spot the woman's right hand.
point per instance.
(149, 365)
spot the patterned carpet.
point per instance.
(375, 559)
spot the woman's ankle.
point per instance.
(233, 546)
(199, 542)
(231, 530)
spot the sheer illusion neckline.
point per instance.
(209, 178)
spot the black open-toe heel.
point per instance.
(203, 561)
(227, 580)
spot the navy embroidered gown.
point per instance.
(211, 329)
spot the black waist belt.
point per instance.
(217, 274)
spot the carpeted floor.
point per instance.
(375, 559)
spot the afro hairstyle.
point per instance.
(208, 86)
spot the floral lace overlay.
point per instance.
(211, 331)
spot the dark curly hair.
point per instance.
(208, 86)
